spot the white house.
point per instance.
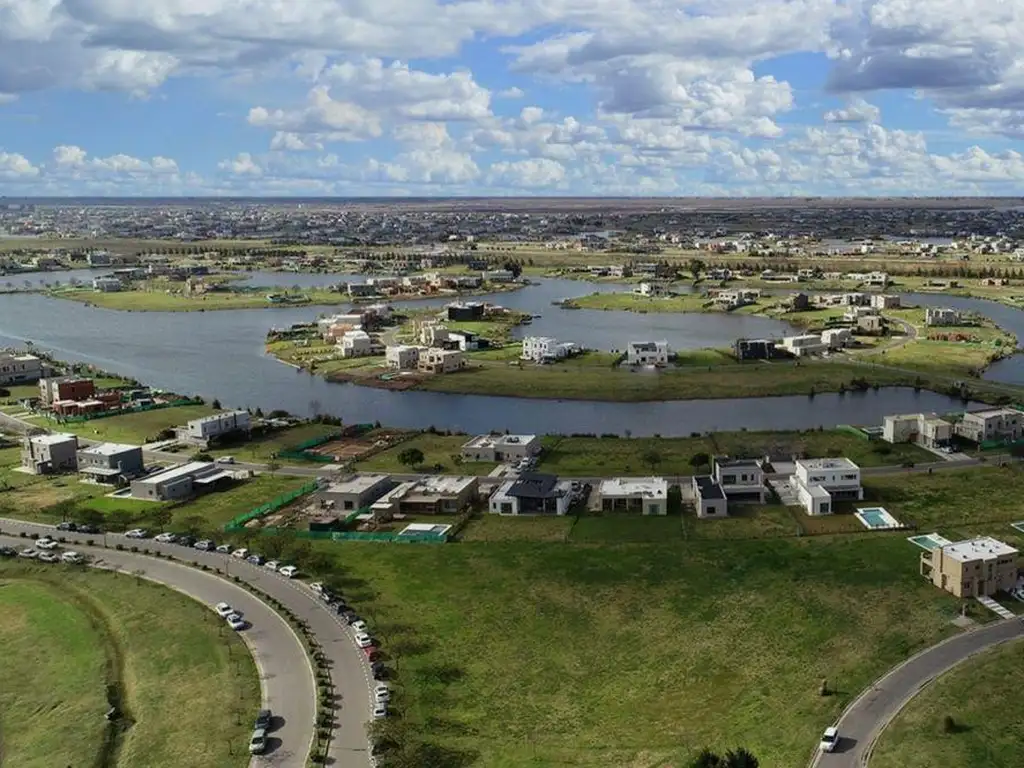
(885, 301)
(501, 447)
(854, 313)
(434, 360)
(650, 289)
(804, 346)
(820, 482)
(219, 424)
(547, 348)
(532, 493)
(643, 495)
(19, 369)
(402, 357)
(923, 428)
(647, 353)
(356, 344)
(106, 284)
(941, 316)
(433, 335)
(836, 338)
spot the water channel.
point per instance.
(220, 354)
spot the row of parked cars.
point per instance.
(45, 551)
(209, 545)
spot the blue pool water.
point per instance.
(928, 541)
(875, 518)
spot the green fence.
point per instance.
(412, 538)
(271, 506)
(996, 445)
(855, 431)
(123, 411)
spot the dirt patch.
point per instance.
(351, 448)
(398, 384)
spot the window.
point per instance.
(730, 479)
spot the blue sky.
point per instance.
(545, 97)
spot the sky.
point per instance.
(511, 97)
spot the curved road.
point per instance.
(863, 721)
(288, 684)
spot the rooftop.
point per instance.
(357, 484)
(497, 441)
(180, 471)
(442, 485)
(834, 463)
(110, 449)
(648, 487)
(219, 416)
(726, 462)
(534, 485)
(982, 548)
(987, 412)
(55, 439)
(708, 488)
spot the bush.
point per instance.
(948, 724)
(119, 547)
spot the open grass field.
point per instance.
(162, 301)
(437, 450)
(219, 507)
(67, 633)
(263, 449)
(600, 655)
(133, 428)
(980, 696)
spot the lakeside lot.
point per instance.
(164, 301)
(61, 627)
(133, 428)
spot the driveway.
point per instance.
(349, 672)
(865, 719)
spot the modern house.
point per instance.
(709, 498)
(941, 316)
(106, 284)
(355, 492)
(820, 482)
(991, 424)
(972, 568)
(650, 289)
(181, 482)
(218, 424)
(545, 349)
(501, 447)
(756, 349)
(925, 429)
(836, 338)
(498, 276)
(742, 480)
(647, 353)
(433, 335)
(19, 369)
(638, 495)
(433, 495)
(111, 463)
(403, 357)
(854, 313)
(462, 311)
(49, 454)
(885, 301)
(870, 324)
(356, 344)
(532, 493)
(804, 345)
(435, 360)
(56, 388)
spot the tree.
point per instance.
(161, 517)
(652, 458)
(88, 516)
(120, 519)
(696, 266)
(700, 460)
(411, 457)
(194, 524)
(513, 267)
(739, 758)
(215, 404)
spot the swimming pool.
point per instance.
(929, 541)
(1019, 526)
(876, 518)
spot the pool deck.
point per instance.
(938, 541)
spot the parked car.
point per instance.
(136, 533)
(381, 693)
(8, 552)
(363, 640)
(288, 571)
(317, 587)
(224, 549)
(241, 553)
(186, 541)
(204, 544)
(49, 557)
(372, 653)
(166, 537)
(236, 622)
(46, 543)
(271, 565)
(29, 553)
(254, 559)
(351, 617)
(226, 460)
(258, 742)
(72, 557)
(829, 739)
(67, 526)
(223, 610)
(379, 711)
(263, 718)
(89, 529)
(358, 626)
(380, 672)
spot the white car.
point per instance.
(829, 739)
(29, 554)
(46, 543)
(317, 587)
(224, 549)
(363, 640)
(271, 565)
(226, 460)
(223, 610)
(288, 571)
(236, 622)
(135, 533)
(379, 711)
(71, 557)
(381, 694)
(359, 626)
(166, 538)
(204, 544)
(240, 553)
(49, 557)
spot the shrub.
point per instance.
(948, 724)
(119, 547)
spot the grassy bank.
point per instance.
(133, 428)
(55, 628)
(443, 450)
(162, 301)
(988, 730)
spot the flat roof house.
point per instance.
(435, 360)
(972, 568)
(434, 495)
(49, 454)
(402, 357)
(110, 462)
(501, 447)
(638, 495)
(532, 493)
(356, 344)
(991, 424)
(941, 316)
(20, 369)
(57, 388)
(180, 482)
(805, 345)
(742, 480)
(219, 424)
(647, 353)
(925, 429)
(356, 492)
(821, 482)
(709, 498)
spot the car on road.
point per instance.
(372, 653)
(379, 711)
(29, 554)
(381, 694)
(380, 672)
(271, 565)
(263, 718)
(8, 552)
(166, 537)
(829, 739)
(186, 541)
(254, 559)
(136, 533)
(258, 742)
(224, 549)
(204, 544)
(317, 587)
(223, 610)
(67, 526)
(49, 557)
(72, 557)
(350, 617)
(241, 553)
(226, 460)
(288, 571)
(88, 529)
(358, 625)
(46, 543)
(363, 640)
(236, 622)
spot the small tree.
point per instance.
(119, 519)
(696, 267)
(88, 516)
(215, 404)
(194, 524)
(740, 758)
(652, 458)
(700, 460)
(948, 724)
(411, 457)
(161, 517)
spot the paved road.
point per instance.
(865, 719)
(349, 672)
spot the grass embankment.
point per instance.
(685, 645)
(190, 687)
(236, 298)
(988, 730)
(262, 449)
(132, 428)
(443, 450)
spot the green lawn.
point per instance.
(591, 654)
(219, 507)
(263, 449)
(162, 301)
(132, 428)
(184, 688)
(980, 695)
(437, 449)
